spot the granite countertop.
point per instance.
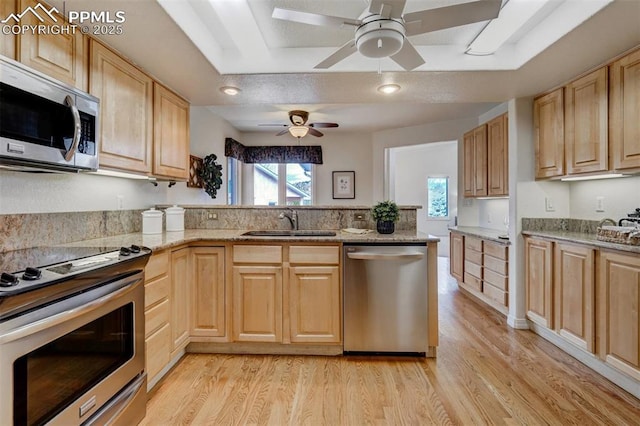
(173, 239)
(582, 238)
(484, 233)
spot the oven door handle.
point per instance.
(77, 127)
(65, 316)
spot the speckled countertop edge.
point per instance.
(484, 233)
(582, 238)
(174, 239)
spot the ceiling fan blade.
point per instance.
(283, 132)
(273, 125)
(425, 21)
(387, 8)
(314, 132)
(323, 125)
(408, 57)
(345, 51)
(313, 18)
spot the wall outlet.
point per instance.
(120, 202)
(359, 216)
(212, 216)
(548, 205)
(600, 204)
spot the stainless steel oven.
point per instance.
(72, 349)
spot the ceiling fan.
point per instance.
(383, 28)
(299, 127)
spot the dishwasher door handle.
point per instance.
(363, 255)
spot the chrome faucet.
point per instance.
(606, 220)
(293, 218)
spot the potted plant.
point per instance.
(385, 213)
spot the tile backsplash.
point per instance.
(563, 224)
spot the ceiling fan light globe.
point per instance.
(380, 38)
(298, 131)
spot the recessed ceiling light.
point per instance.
(230, 90)
(388, 89)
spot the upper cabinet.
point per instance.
(624, 110)
(586, 140)
(170, 134)
(485, 159)
(548, 126)
(8, 41)
(126, 111)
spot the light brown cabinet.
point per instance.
(574, 287)
(62, 56)
(180, 300)
(209, 316)
(586, 118)
(456, 255)
(618, 318)
(498, 156)
(8, 41)
(126, 111)
(624, 110)
(538, 268)
(475, 162)
(170, 134)
(548, 126)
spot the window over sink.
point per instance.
(276, 184)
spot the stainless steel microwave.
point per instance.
(45, 124)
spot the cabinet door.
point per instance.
(586, 120)
(574, 274)
(180, 299)
(157, 351)
(314, 304)
(8, 41)
(548, 124)
(61, 56)
(480, 161)
(538, 276)
(456, 255)
(257, 303)
(498, 156)
(624, 126)
(208, 313)
(467, 164)
(618, 317)
(126, 111)
(170, 134)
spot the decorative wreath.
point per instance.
(211, 174)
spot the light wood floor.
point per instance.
(485, 373)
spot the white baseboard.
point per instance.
(517, 323)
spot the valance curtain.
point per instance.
(273, 154)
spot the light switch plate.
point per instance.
(600, 204)
(548, 205)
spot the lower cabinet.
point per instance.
(180, 300)
(456, 255)
(538, 284)
(208, 316)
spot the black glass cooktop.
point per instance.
(39, 257)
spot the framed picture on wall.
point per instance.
(344, 185)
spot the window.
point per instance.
(282, 184)
(438, 197)
(233, 181)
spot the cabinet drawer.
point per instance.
(155, 317)
(496, 250)
(314, 254)
(496, 265)
(497, 280)
(156, 290)
(257, 254)
(158, 351)
(158, 265)
(473, 243)
(473, 269)
(495, 293)
(473, 282)
(473, 256)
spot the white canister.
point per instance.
(152, 221)
(175, 218)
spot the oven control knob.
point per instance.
(134, 249)
(8, 280)
(32, 274)
(124, 251)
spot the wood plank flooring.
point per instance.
(485, 373)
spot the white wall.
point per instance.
(621, 196)
(340, 152)
(410, 167)
(57, 192)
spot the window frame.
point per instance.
(282, 184)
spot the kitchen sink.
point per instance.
(292, 233)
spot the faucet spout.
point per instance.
(293, 218)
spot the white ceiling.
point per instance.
(236, 42)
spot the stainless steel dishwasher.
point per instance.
(385, 298)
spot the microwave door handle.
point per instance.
(77, 127)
